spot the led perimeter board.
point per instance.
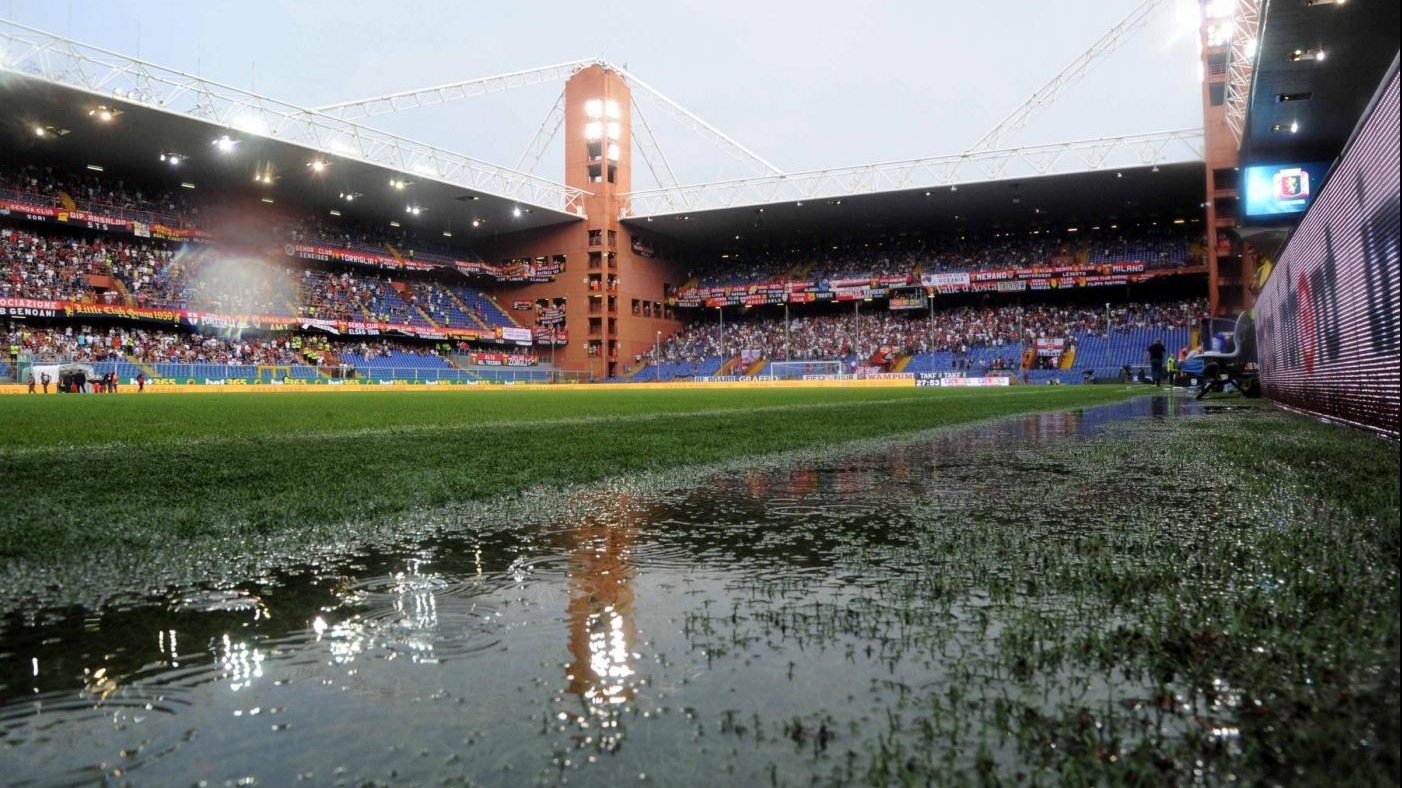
(1282, 189)
(1327, 319)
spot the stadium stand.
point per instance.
(961, 339)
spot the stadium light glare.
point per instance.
(317, 165)
(1250, 47)
(268, 200)
(253, 124)
(476, 222)
(447, 233)
(225, 144)
(1301, 55)
(104, 113)
(172, 158)
(611, 109)
(334, 212)
(593, 108)
(613, 129)
(516, 212)
(95, 167)
(393, 223)
(1219, 9)
(593, 130)
(186, 185)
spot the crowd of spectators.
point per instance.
(849, 336)
(97, 194)
(910, 256)
(48, 269)
(89, 344)
(369, 238)
(57, 268)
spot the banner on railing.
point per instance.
(1050, 347)
(551, 335)
(502, 359)
(521, 336)
(96, 221)
(28, 307)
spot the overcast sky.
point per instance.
(807, 85)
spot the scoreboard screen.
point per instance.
(1282, 189)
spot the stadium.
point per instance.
(335, 456)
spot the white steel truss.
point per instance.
(714, 135)
(35, 53)
(651, 151)
(1165, 147)
(454, 91)
(540, 142)
(1048, 93)
(1241, 63)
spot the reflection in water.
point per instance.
(775, 595)
(602, 626)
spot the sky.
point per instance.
(807, 85)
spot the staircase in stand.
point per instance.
(728, 368)
(143, 366)
(1068, 359)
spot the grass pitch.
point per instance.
(135, 470)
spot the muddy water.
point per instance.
(759, 627)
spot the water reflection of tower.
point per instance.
(602, 626)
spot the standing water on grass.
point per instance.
(925, 611)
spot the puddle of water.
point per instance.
(769, 626)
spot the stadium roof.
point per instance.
(68, 88)
(1143, 193)
(1324, 97)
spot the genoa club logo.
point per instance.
(1292, 184)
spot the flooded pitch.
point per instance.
(1021, 600)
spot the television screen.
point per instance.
(1276, 189)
